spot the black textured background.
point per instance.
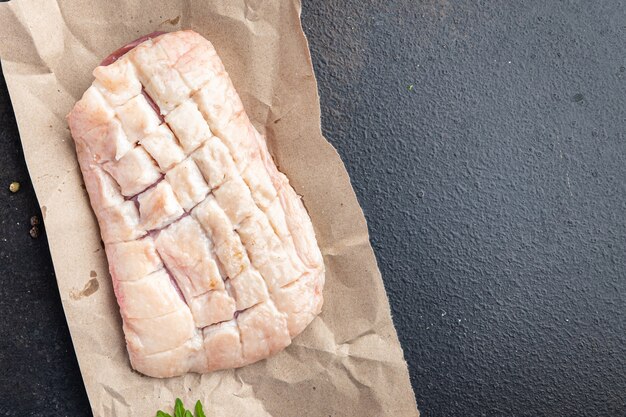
(494, 189)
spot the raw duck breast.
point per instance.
(212, 254)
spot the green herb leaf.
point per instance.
(162, 414)
(199, 410)
(179, 410)
(188, 414)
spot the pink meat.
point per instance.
(212, 254)
(117, 54)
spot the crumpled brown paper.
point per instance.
(348, 362)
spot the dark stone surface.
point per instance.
(494, 190)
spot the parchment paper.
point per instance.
(348, 362)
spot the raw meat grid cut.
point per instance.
(212, 254)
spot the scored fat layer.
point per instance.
(234, 260)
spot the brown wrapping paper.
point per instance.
(348, 362)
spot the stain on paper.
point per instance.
(90, 287)
(173, 21)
